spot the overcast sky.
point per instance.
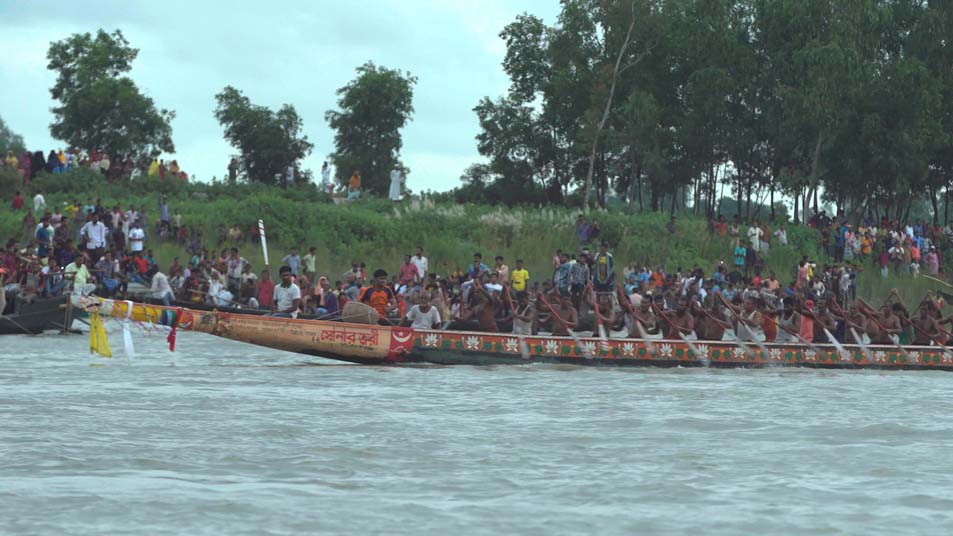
(276, 52)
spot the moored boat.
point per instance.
(34, 316)
(381, 345)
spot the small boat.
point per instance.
(386, 345)
(32, 316)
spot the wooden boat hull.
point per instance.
(384, 345)
(35, 317)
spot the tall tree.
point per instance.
(10, 141)
(373, 108)
(268, 142)
(99, 107)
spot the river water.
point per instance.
(225, 438)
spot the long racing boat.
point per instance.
(387, 345)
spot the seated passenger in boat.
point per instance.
(379, 296)
(423, 315)
(287, 296)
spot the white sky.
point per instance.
(277, 52)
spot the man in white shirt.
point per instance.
(754, 236)
(421, 263)
(137, 237)
(423, 315)
(396, 180)
(287, 297)
(161, 289)
(95, 233)
(39, 203)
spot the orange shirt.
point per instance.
(377, 298)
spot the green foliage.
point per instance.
(268, 142)
(373, 108)
(99, 108)
(10, 141)
(792, 96)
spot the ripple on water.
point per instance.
(241, 440)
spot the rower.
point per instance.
(525, 314)
(748, 322)
(567, 313)
(925, 327)
(644, 315)
(681, 323)
(790, 322)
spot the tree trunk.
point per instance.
(946, 207)
(772, 203)
(815, 162)
(797, 199)
(605, 112)
(936, 209)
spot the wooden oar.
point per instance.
(797, 336)
(937, 280)
(603, 339)
(582, 348)
(857, 338)
(524, 349)
(678, 330)
(649, 345)
(735, 336)
(881, 326)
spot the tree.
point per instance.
(373, 108)
(10, 141)
(268, 142)
(99, 108)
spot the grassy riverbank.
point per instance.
(379, 232)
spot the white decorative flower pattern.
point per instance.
(551, 347)
(947, 357)
(628, 349)
(844, 355)
(810, 355)
(774, 354)
(703, 351)
(512, 346)
(738, 352)
(432, 340)
(880, 356)
(471, 343)
(915, 357)
(666, 350)
(589, 349)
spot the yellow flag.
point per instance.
(97, 336)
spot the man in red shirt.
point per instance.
(266, 290)
(408, 272)
(17, 201)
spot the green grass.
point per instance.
(379, 233)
